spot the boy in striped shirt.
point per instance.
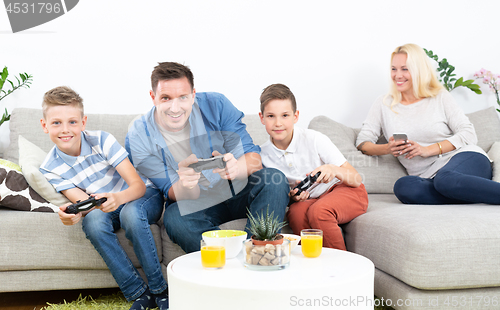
(92, 163)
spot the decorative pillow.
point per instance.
(494, 155)
(379, 172)
(486, 124)
(9, 164)
(30, 159)
(15, 193)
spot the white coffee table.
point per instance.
(336, 279)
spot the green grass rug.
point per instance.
(111, 302)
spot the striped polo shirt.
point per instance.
(93, 171)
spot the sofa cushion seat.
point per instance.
(38, 241)
(430, 246)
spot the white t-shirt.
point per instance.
(307, 151)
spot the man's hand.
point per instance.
(188, 178)
(68, 219)
(232, 169)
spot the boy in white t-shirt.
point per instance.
(337, 197)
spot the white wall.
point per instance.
(334, 55)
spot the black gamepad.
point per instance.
(209, 163)
(85, 205)
(306, 183)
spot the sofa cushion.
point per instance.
(429, 246)
(35, 240)
(15, 193)
(30, 159)
(379, 172)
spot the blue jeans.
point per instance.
(266, 187)
(466, 178)
(134, 217)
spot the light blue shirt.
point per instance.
(93, 171)
(215, 125)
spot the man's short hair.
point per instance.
(170, 71)
(277, 91)
(61, 95)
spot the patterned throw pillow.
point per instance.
(15, 193)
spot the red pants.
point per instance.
(339, 205)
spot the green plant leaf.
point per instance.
(3, 77)
(467, 83)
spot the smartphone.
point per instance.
(400, 136)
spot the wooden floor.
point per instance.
(38, 300)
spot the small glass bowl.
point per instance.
(266, 257)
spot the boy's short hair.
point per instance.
(277, 91)
(170, 71)
(61, 95)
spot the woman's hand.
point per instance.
(412, 149)
(396, 147)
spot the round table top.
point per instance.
(331, 268)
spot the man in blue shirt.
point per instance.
(184, 126)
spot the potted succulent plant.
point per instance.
(267, 248)
(265, 228)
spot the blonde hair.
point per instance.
(425, 83)
(61, 95)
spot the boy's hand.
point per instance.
(328, 172)
(232, 169)
(188, 178)
(111, 204)
(68, 219)
(303, 196)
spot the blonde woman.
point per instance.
(440, 154)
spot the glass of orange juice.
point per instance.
(311, 241)
(213, 256)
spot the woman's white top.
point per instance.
(426, 122)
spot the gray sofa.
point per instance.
(426, 257)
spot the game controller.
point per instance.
(306, 183)
(209, 163)
(85, 205)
